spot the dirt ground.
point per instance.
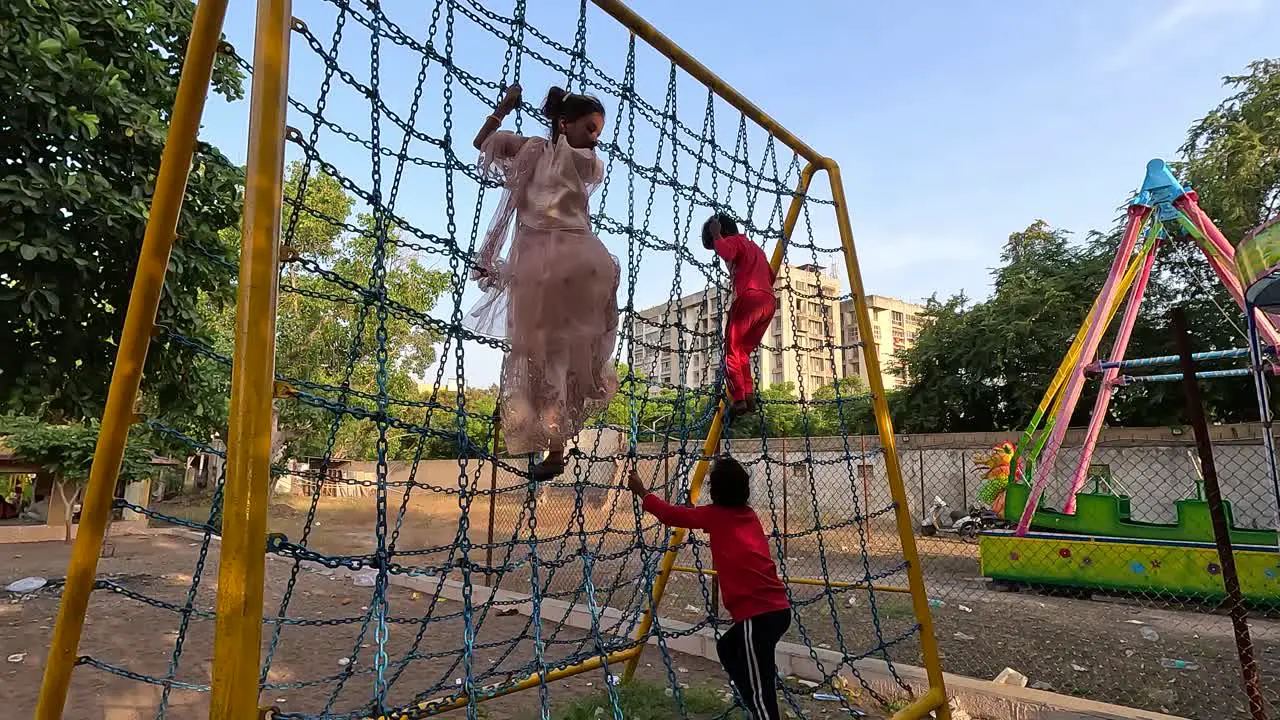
(1087, 647)
(335, 660)
(1090, 648)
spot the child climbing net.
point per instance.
(574, 560)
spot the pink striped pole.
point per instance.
(1071, 395)
(1222, 262)
(1109, 376)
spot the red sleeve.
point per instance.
(695, 518)
(729, 248)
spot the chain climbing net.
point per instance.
(474, 581)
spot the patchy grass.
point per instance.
(645, 701)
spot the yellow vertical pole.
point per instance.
(238, 639)
(713, 439)
(126, 377)
(915, 574)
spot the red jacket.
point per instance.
(740, 554)
(747, 263)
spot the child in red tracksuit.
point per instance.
(752, 308)
(749, 585)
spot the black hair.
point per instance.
(730, 483)
(561, 106)
(728, 226)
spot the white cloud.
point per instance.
(1180, 23)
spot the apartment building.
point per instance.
(801, 347)
(894, 326)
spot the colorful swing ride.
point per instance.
(1093, 543)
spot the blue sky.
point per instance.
(955, 123)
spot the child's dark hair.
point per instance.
(730, 483)
(728, 226)
(561, 106)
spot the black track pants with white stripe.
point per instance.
(746, 651)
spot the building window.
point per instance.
(898, 318)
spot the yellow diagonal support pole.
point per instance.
(126, 376)
(936, 698)
(713, 440)
(237, 645)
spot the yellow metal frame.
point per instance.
(935, 699)
(237, 644)
(135, 338)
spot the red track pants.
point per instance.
(749, 318)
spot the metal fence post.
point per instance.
(1221, 530)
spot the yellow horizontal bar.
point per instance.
(932, 700)
(532, 681)
(808, 581)
(663, 44)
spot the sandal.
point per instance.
(735, 411)
(544, 470)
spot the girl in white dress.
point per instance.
(554, 296)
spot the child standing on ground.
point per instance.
(749, 585)
(555, 295)
(752, 308)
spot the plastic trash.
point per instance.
(963, 636)
(26, 585)
(1175, 664)
(935, 603)
(17, 657)
(826, 697)
(364, 578)
(1149, 633)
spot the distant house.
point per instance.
(41, 512)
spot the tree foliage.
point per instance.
(66, 451)
(320, 338)
(1232, 155)
(87, 89)
(984, 365)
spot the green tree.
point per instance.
(316, 338)
(852, 415)
(88, 86)
(1232, 155)
(65, 452)
(779, 410)
(985, 365)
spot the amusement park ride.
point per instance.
(1092, 542)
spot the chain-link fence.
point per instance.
(1127, 609)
